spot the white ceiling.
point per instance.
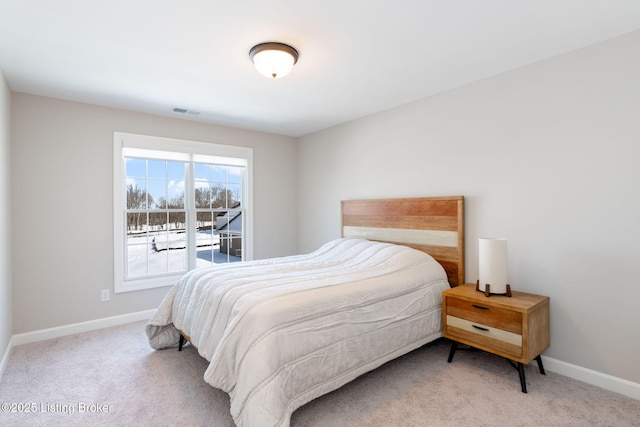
(357, 57)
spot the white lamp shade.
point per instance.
(273, 63)
(492, 265)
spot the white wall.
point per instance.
(62, 205)
(546, 156)
(6, 309)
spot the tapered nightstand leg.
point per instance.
(523, 382)
(180, 343)
(540, 367)
(454, 347)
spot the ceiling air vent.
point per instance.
(185, 111)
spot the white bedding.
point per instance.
(280, 332)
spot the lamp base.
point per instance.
(487, 290)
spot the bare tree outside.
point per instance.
(136, 199)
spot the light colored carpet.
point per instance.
(68, 381)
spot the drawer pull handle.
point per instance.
(481, 328)
(480, 307)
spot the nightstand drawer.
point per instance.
(484, 335)
(494, 317)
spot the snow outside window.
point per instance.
(178, 205)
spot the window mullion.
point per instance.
(190, 200)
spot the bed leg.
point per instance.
(181, 342)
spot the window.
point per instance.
(178, 205)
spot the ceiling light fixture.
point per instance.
(272, 59)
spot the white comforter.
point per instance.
(280, 332)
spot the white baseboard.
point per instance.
(75, 328)
(589, 376)
(5, 358)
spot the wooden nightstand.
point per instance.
(515, 327)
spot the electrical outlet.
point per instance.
(105, 295)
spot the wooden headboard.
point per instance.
(434, 225)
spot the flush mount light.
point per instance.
(272, 59)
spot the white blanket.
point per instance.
(280, 332)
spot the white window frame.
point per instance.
(190, 151)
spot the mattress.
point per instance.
(281, 332)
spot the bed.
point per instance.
(281, 332)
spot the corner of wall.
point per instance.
(6, 304)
